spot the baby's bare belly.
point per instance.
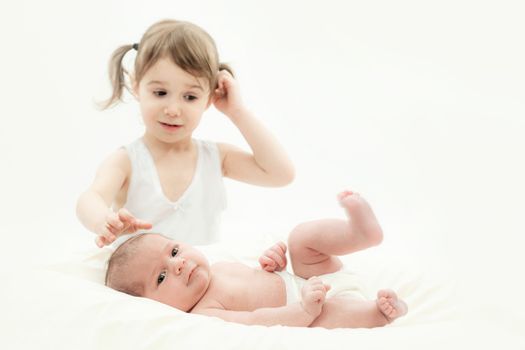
(242, 288)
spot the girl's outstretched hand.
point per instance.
(117, 224)
(274, 258)
(227, 96)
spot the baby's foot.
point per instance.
(391, 307)
(362, 220)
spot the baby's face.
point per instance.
(173, 273)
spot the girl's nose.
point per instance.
(177, 265)
(172, 110)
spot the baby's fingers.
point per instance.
(279, 259)
(321, 287)
(267, 264)
(319, 296)
(281, 246)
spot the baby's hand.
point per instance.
(313, 296)
(274, 259)
(117, 224)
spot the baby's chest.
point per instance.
(249, 289)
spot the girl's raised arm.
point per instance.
(269, 165)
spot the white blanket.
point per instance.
(66, 306)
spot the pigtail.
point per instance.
(117, 76)
(226, 67)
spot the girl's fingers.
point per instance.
(131, 223)
(109, 233)
(102, 241)
(141, 224)
(114, 222)
(124, 215)
(137, 224)
(99, 242)
(225, 72)
(112, 230)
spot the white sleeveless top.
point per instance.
(195, 217)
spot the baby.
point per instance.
(173, 273)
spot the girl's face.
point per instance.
(172, 101)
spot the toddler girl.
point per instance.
(166, 180)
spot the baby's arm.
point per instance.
(290, 315)
(300, 314)
(94, 205)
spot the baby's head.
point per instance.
(185, 44)
(156, 267)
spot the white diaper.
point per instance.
(343, 283)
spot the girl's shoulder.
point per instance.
(225, 148)
(117, 159)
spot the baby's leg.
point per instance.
(314, 245)
(341, 312)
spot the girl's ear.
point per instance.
(210, 101)
(134, 86)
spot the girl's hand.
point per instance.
(117, 224)
(227, 96)
(274, 259)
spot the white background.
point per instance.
(418, 105)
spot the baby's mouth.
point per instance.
(190, 274)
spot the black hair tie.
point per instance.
(135, 46)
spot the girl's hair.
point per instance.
(186, 44)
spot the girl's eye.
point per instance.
(190, 97)
(174, 251)
(161, 277)
(159, 93)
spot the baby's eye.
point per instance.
(161, 277)
(174, 251)
(190, 97)
(160, 93)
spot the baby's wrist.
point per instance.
(310, 310)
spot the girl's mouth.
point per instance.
(170, 127)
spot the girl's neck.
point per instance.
(157, 146)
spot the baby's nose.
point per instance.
(177, 265)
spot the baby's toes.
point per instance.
(343, 194)
(393, 313)
(382, 301)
